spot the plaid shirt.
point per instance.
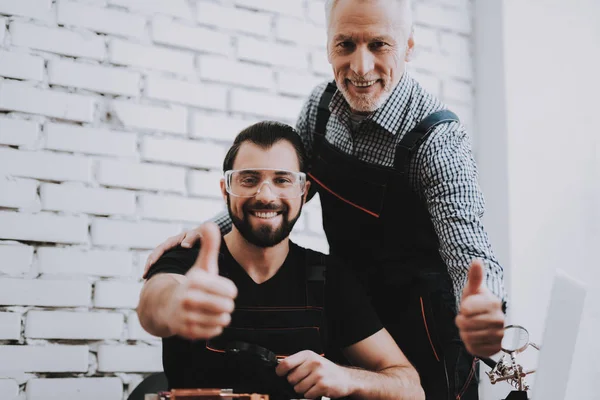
(442, 172)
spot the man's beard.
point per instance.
(265, 236)
(365, 103)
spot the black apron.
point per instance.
(282, 330)
(379, 226)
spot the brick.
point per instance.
(73, 325)
(297, 31)
(37, 9)
(166, 31)
(115, 294)
(172, 208)
(263, 104)
(177, 91)
(43, 227)
(317, 243)
(456, 45)
(47, 358)
(101, 19)
(75, 388)
(218, 127)
(319, 63)
(316, 13)
(220, 69)
(136, 235)
(96, 78)
(58, 40)
(10, 328)
(135, 330)
(18, 193)
(48, 166)
(15, 259)
(136, 55)
(294, 8)
(430, 83)
(74, 199)
(19, 97)
(9, 389)
(141, 176)
(44, 293)
(446, 18)
(456, 91)
(205, 183)
(121, 358)
(170, 119)
(296, 84)
(18, 132)
(21, 66)
(175, 8)
(427, 38)
(67, 261)
(251, 49)
(182, 152)
(90, 140)
(234, 19)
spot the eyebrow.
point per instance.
(378, 38)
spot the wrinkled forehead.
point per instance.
(265, 173)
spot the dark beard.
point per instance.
(265, 236)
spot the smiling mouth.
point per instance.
(265, 215)
(363, 84)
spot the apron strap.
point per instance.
(323, 112)
(315, 279)
(413, 139)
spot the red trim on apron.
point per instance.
(341, 198)
(427, 329)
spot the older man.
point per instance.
(400, 199)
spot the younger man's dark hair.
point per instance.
(265, 134)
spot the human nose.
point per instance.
(265, 193)
(362, 61)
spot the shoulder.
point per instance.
(309, 110)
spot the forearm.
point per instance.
(399, 383)
(152, 309)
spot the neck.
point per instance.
(260, 263)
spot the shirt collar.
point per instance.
(390, 115)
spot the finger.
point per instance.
(474, 279)
(215, 284)
(208, 259)
(159, 250)
(308, 387)
(208, 319)
(480, 304)
(483, 337)
(290, 362)
(205, 302)
(494, 321)
(298, 374)
(190, 238)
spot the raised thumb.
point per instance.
(474, 279)
(210, 243)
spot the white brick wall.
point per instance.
(49, 358)
(75, 388)
(114, 119)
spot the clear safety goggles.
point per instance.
(250, 181)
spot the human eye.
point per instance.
(345, 45)
(248, 181)
(378, 45)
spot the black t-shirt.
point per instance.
(349, 315)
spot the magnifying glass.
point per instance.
(515, 340)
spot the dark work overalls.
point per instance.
(377, 223)
(282, 330)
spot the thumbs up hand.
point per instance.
(201, 306)
(480, 320)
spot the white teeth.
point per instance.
(363, 84)
(265, 215)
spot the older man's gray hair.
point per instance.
(406, 17)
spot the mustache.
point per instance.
(259, 206)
